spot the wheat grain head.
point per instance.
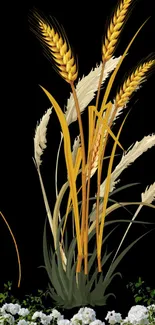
(114, 29)
(55, 43)
(95, 152)
(132, 82)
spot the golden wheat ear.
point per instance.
(116, 24)
(133, 82)
(55, 45)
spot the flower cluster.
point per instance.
(14, 314)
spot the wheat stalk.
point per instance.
(132, 82)
(60, 51)
(114, 29)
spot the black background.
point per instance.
(23, 68)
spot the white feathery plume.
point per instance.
(86, 88)
(147, 197)
(149, 194)
(75, 148)
(40, 137)
(128, 158)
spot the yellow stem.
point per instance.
(107, 189)
(100, 83)
(89, 174)
(83, 172)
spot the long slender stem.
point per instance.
(98, 195)
(56, 181)
(130, 224)
(99, 182)
(97, 207)
(89, 170)
(16, 247)
(83, 172)
(56, 167)
(49, 215)
(100, 164)
(100, 83)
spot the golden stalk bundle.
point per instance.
(132, 82)
(114, 29)
(60, 51)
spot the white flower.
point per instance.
(152, 307)
(88, 315)
(138, 315)
(37, 314)
(77, 319)
(9, 318)
(56, 314)
(23, 312)
(125, 321)
(97, 322)
(3, 308)
(11, 308)
(63, 322)
(22, 322)
(113, 317)
(45, 319)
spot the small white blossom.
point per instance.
(22, 322)
(56, 314)
(63, 322)
(97, 322)
(45, 319)
(138, 315)
(9, 318)
(152, 307)
(37, 314)
(88, 315)
(11, 308)
(3, 308)
(125, 321)
(23, 312)
(113, 317)
(77, 319)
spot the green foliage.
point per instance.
(6, 295)
(142, 293)
(68, 289)
(33, 302)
